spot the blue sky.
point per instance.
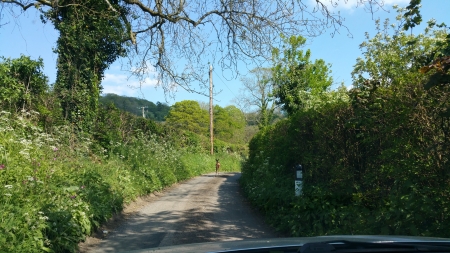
(25, 34)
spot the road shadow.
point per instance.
(231, 218)
(227, 218)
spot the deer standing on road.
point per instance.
(217, 166)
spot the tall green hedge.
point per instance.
(377, 165)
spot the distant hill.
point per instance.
(153, 111)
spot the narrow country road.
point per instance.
(202, 209)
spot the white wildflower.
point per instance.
(8, 186)
(24, 153)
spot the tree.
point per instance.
(257, 92)
(91, 38)
(238, 123)
(295, 78)
(162, 36)
(223, 129)
(162, 109)
(22, 83)
(393, 57)
(412, 15)
(400, 107)
(229, 122)
(188, 115)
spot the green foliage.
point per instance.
(23, 86)
(375, 160)
(370, 168)
(61, 186)
(58, 184)
(91, 38)
(229, 124)
(295, 77)
(440, 67)
(228, 148)
(412, 15)
(107, 129)
(55, 189)
(441, 75)
(189, 116)
(22, 83)
(393, 57)
(156, 112)
(113, 125)
(257, 92)
(201, 163)
(223, 123)
(194, 143)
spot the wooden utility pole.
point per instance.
(211, 126)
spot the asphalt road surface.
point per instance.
(202, 209)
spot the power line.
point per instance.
(224, 82)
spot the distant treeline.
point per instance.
(133, 105)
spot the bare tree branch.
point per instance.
(27, 5)
(111, 7)
(177, 37)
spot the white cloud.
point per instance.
(117, 79)
(394, 2)
(119, 90)
(149, 82)
(123, 85)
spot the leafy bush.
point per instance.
(370, 167)
(22, 83)
(375, 163)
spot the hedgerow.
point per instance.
(56, 188)
(377, 165)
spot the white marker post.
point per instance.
(298, 180)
